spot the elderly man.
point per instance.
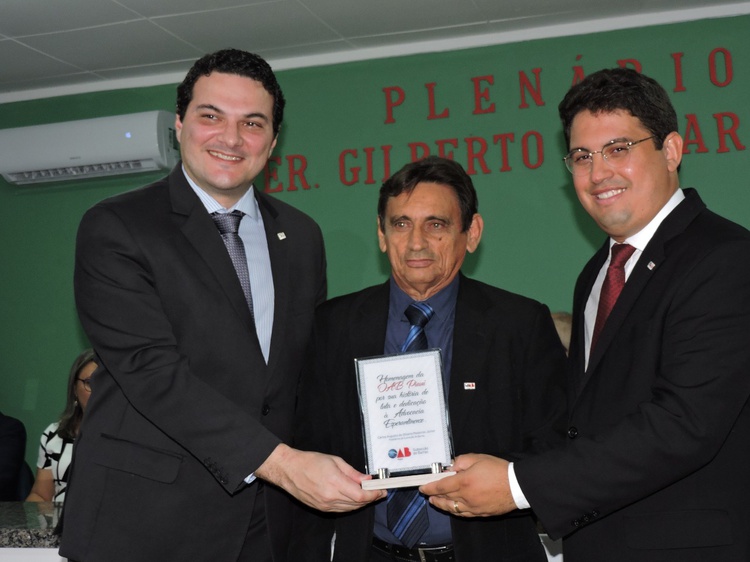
(503, 365)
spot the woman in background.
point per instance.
(56, 446)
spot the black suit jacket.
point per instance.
(12, 450)
(659, 443)
(183, 407)
(504, 343)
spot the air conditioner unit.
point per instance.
(89, 148)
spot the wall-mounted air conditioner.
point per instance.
(89, 148)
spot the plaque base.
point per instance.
(403, 481)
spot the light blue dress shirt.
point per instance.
(253, 236)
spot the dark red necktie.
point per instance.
(612, 286)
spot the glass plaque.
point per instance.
(405, 420)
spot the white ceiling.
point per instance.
(51, 47)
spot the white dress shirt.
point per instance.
(639, 241)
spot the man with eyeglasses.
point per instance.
(654, 466)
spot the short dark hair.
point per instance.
(615, 89)
(435, 170)
(241, 63)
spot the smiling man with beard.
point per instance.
(653, 468)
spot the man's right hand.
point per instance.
(479, 488)
(324, 482)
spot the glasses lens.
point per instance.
(616, 153)
(578, 162)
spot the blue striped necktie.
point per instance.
(418, 314)
(407, 509)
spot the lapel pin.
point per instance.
(281, 236)
(651, 265)
(470, 386)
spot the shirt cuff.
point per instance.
(250, 479)
(515, 489)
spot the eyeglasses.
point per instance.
(615, 153)
(86, 383)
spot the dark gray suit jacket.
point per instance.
(655, 467)
(503, 342)
(183, 407)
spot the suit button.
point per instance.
(266, 409)
(573, 432)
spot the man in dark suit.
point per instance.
(181, 453)
(654, 468)
(503, 364)
(12, 450)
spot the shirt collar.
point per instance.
(641, 239)
(442, 302)
(246, 204)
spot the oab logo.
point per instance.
(400, 454)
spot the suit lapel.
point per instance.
(369, 321)
(578, 337)
(279, 256)
(637, 281)
(202, 234)
(653, 257)
(469, 352)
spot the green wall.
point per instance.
(536, 237)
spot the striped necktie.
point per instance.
(406, 508)
(228, 225)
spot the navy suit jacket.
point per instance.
(183, 406)
(655, 467)
(504, 343)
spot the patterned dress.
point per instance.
(55, 454)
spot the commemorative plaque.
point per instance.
(405, 421)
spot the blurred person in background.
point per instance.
(56, 446)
